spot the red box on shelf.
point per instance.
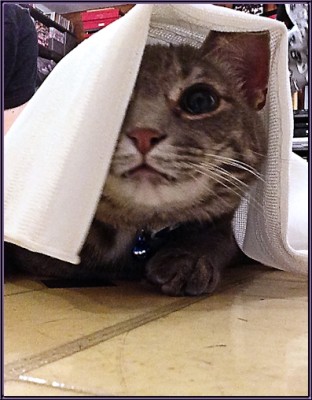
(99, 14)
(97, 24)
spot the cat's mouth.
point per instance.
(146, 172)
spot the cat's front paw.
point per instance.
(178, 273)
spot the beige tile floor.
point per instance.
(250, 338)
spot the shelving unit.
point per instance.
(39, 16)
(45, 52)
(300, 142)
(75, 18)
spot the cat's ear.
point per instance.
(247, 55)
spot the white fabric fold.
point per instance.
(57, 154)
(58, 151)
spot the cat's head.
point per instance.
(192, 139)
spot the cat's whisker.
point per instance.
(237, 164)
(223, 181)
(214, 175)
(171, 162)
(197, 153)
(184, 150)
(217, 170)
(210, 155)
(264, 156)
(177, 158)
(241, 165)
(224, 172)
(196, 178)
(250, 199)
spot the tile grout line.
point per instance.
(17, 368)
(50, 384)
(21, 293)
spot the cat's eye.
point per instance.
(199, 99)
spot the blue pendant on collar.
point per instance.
(142, 249)
(148, 242)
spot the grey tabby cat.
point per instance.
(191, 144)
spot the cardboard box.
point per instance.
(56, 46)
(57, 35)
(97, 24)
(70, 42)
(99, 14)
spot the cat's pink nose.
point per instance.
(145, 139)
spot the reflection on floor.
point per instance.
(248, 339)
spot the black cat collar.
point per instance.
(147, 243)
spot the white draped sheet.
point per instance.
(57, 153)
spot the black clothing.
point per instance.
(20, 55)
(283, 16)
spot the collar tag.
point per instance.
(141, 249)
(146, 243)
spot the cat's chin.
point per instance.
(154, 194)
(144, 174)
(126, 203)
